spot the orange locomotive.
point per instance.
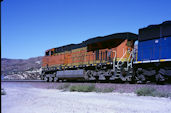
(100, 58)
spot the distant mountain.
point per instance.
(21, 68)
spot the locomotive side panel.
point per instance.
(165, 48)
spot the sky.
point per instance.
(29, 27)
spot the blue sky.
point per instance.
(29, 27)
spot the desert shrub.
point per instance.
(3, 92)
(83, 88)
(161, 94)
(148, 91)
(63, 86)
(104, 90)
(145, 91)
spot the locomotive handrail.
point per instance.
(136, 52)
(114, 59)
(121, 59)
(131, 53)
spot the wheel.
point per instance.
(141, 79)
(55, 79)
(107, 78)
(89, 75)
(108, 74)
(129, 75)
(133, 78)
(160, 79)
(42, 75)
(46, 79)
(50, 79)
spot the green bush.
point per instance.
(82, 88)
(148, 91)
(161, 94)
(104, 90)
(90, 88)
(145, 91)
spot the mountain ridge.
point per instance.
(21, 68)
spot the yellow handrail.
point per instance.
(121, 59)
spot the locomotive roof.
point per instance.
(155, 31)
(125, 35)
(157, 25)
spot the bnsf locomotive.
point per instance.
(113, 57)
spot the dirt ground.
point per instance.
(28, 99)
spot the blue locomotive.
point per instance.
(153, 60)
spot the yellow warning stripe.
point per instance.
(162, 60)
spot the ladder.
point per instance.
(117, 67)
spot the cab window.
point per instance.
(47, 53)
(51, 52)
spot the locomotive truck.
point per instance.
(113, 57)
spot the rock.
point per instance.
(3, 92)
(21, 69)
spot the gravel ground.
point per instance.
(122, 88)
(43, 98)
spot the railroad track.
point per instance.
(23, 81)
(97, 82)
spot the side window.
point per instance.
(106, 55)
(47, 53)
(129, 43)
(51, 52)
(101, 56)
(56, 50)
(97, 54)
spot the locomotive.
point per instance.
(154, 54)
(113, 57)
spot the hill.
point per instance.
(21, 68)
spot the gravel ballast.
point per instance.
(32, 98)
